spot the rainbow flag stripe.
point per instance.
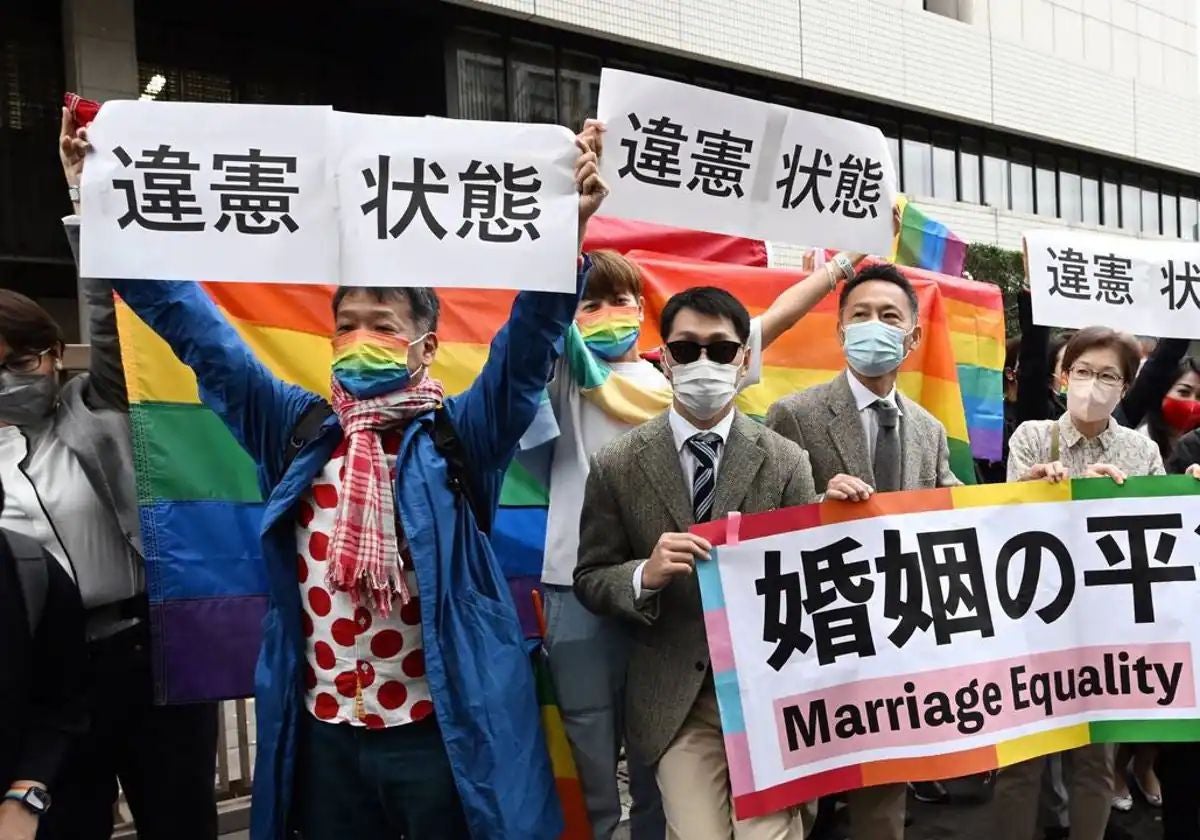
(750, 801)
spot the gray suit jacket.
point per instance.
(824, 420)
(636, 492)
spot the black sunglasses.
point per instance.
(721, 352)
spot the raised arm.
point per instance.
(1153, 381)
(106, 379)
(493, 414)
(800, 297)
(258, 408)
(1033, 365)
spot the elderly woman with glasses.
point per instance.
(1098, 366)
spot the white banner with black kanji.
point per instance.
(297, 194)
(1144, 286)
(682, 155)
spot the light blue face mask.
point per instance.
(874, 348)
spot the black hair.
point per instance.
(1156, 425)
(707, 300)
(1055, 346)
(887, 273)
(422, 301)
(25, 326)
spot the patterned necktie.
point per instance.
(887, 447)
(704, 481)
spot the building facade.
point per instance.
(1002, 115)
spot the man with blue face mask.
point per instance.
(864, 438)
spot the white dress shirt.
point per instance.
(864, 398)
(682, 431)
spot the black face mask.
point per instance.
(26, 398)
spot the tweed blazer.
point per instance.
(824, 420)
(636, 492)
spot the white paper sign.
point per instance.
(266, 194)
(479, 204)
(694, 158)
(1149, 287)
(202, 191)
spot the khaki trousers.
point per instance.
(1089, 772)
(694, 780)
(877, 813)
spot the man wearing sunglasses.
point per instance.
(700, 460)
(865, 438)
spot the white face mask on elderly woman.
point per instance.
(1090, 400)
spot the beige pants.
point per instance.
(877, 813)
(1089, 771)
(694, 780)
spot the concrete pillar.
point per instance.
(100, 52)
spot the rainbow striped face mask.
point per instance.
(610, 332)
(368, 363)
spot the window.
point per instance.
(1110, 194)
(1150, 211)
(1020, 176)
(918, 161)
(945, 172)
(1046, 187)
(968, 170)
(481, 83)
(960, 10)
(531, 84)
(1089, 183)
(1070, 191)
(1131, 205)
(995, 177)
(1189, 216)
(1170, 214)
(578, 89)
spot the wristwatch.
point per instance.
(34, 798)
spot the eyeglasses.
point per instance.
(721, 352)
(1105, 377)
(24, 362)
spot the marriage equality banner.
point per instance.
(309, 195)
(1146, 286)
(677, 154)
(936, 633)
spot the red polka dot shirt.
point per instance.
(361, 668)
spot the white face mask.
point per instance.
(1091, 402)
(705, 387)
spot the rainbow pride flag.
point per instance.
(752, 798)
(926, 243)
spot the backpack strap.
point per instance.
(32, 573)
(1054, 444)
(447, 443)
(445, 440)
(306, 430)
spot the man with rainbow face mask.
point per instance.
(394, 691)
(602, 388)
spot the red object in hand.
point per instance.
(83, 110)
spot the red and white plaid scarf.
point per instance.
(365, 551)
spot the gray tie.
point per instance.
(887, 447)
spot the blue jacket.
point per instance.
(476, 659)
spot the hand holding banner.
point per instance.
(694, 158)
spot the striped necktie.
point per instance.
(704, 481)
